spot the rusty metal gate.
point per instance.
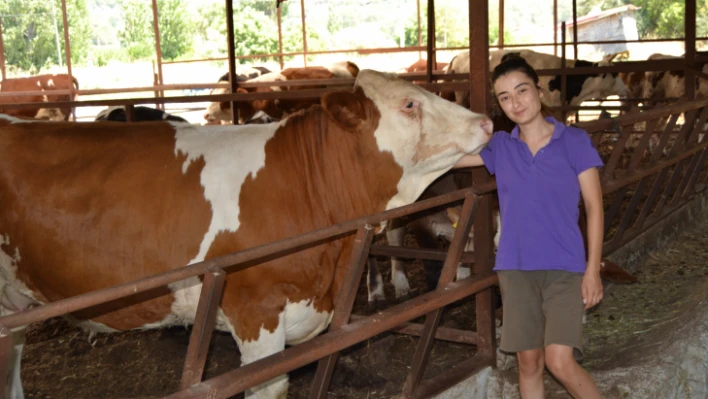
(655, 164)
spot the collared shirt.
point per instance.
(539, 198)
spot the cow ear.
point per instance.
(346, 109)
(241, 90)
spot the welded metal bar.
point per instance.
(2, 62)
(233, 382)
(575, 30)
(280, 37)
(688, 126)
(614, 208)
(564, 77)
(231, 51)
(703, 158)
(304, 33)
(6, 352)
(649, 202)
(635, 175)
(484, 252)
(432, 320)
(203, 328)
(698, 128)
(430, 43)
(555, 27)
(479, 95)
(658, 151)
(417, 253)
(633, 203)
(501, 25)
(443, 333)
(686, 178)
(689, 20)
(67, 50)
(130, 113)
(643, 144)
(158, 46)
(452, 376)
(668, 191)
(617, 153)
(343, 306)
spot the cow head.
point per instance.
(425, 134)
(221, 111)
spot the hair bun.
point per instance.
(512, 56)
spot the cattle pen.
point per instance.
(644, 187)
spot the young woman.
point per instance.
(543, 168)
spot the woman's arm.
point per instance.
(469, 160)
(592, 198)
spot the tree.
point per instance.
(33, 33)
(176, 28)
(136, 36)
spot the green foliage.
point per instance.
(31, 29)
(176, 28)
(136, 36)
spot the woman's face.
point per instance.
(518, 97)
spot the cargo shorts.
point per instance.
(541, 307)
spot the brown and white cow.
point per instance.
(579, 87)
(46, 83)
(87, 206)
(221, 111)
(661, 85)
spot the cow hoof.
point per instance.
(462, 273)
(377, 295)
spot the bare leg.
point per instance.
(560, 362)
(531, 373)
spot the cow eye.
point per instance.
(409, 105)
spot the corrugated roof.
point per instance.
(604, 14)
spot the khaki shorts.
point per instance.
(541, 308)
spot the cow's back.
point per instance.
(87, 207)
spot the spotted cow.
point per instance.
(88, 206)
(579, 87)
(221, 111)
(43, 83)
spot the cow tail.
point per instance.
(76, 82)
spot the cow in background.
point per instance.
(221, 111)
(244, 73)
(579, 87)
(45, 83)
(132, 202)
(142, 114)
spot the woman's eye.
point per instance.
(522, 90)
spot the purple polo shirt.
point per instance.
(539, 198)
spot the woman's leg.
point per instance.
(562, 364)
(531, 373)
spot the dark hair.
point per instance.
(513, 62)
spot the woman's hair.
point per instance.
(513, 62)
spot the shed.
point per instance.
(614, 24)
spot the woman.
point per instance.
(542, 170)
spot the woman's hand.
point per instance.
(592, 288)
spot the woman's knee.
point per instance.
(531, 361)
(559, 359)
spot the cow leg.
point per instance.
(13, 381)
(267, 344)
(398, 269)
(374, 282)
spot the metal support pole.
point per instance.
(501, 24)
(280, 38)
(575, 30)
(420, 32)
(564, 77)
(158, 49)
(690, 47)
(555, 27)
(67, 49)
(304, 33)
(2, 53)
(232, 56)
(479, 63)
(431, 41)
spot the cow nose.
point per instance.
(488, 126)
